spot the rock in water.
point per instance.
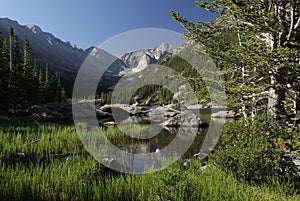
(224, 114)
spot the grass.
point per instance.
(48, 162)
(121, 137)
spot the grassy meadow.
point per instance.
(48, 162)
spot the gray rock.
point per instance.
(186, 163)
(184, 119)
(290, 164)
(103, 115)
(195, 107)
(52, 112)
(138, 60)
(125, 110)
(223, 114)
(109, 124)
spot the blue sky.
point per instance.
(91, 22)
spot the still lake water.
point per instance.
(203, 142)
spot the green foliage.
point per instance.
(60, 95)
(247, 149)
(190, 74)
(118, 138)
(103, 98)
(52, 164)
(255, 44)
(153, 94)
(4, 74)
(21, 84)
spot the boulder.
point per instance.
(109, 124)
(128, 110)
(52, 112)
(223, 114)
(184, 119)
(57, 112)
(290, 164)
(195, 107)
(103, 115)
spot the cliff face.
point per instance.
(138, 60)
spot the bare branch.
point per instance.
(291, 26)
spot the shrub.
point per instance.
(247, 149)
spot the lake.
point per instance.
(151, 153)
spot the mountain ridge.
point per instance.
(67, 59)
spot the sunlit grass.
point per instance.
(50, 163)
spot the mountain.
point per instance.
(105, 58)
(47, 48)
(61, 56)
(66, 59)
(138, 60)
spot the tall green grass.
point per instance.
(50, 163)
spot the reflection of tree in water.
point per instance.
(203, 144)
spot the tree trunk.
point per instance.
(297, 106)
(277, 94)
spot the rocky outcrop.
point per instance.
(167, 116)
(62, 112)
(184, 119)
(138, 60)
(126, 110)
(52, 112)
(224, 114)
(290, 164)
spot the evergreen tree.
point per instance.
(21, 83)
(46, 81)
(4, 75)
(35, 69)
(17, 89)
(11, 39)
(46, 86)
(268, 32)
(60, 92)
(27, 63)
(35, 83)
(28, 78)
(41, 86)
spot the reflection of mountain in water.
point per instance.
(203, 144)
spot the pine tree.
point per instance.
(27, 63)
(46, 86)
(1, 58)
(60, 92)
(17, 88)
(11, 39)
(36, 91)
(28, 78)
(14, 76)
(46, 81)
(268, 48)
(4, 75)
(22, 84)
(16, 61)
(41, 84)
(35, 69)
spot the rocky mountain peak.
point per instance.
(34, 28)
(166, 47)
(138, 60)
(66, 59)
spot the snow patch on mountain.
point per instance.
(34, 28)
(49, 41)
